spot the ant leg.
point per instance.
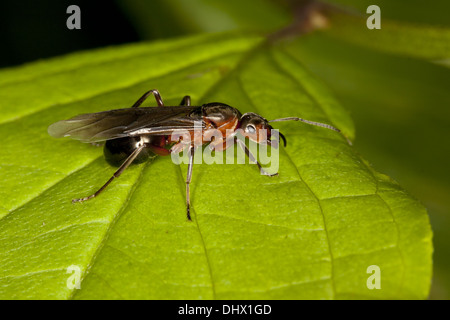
(116, 174)
(145, 96)
(188, 181)
(252, 158)
(186, 101)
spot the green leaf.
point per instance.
(310, 232)
(398, 34)
(422, 41)
(413, 11)
(400, 109)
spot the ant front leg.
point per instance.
(145, 96)
(253, 159)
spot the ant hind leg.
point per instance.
(116, 174)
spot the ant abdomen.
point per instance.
(116, 151)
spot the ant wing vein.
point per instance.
(113, 124)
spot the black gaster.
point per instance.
(117, 150)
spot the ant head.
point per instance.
(257, 129)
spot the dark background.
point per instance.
(31, 30)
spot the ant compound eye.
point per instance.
(250, 129)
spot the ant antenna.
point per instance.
(308, 122)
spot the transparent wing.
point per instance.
(106, 125)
